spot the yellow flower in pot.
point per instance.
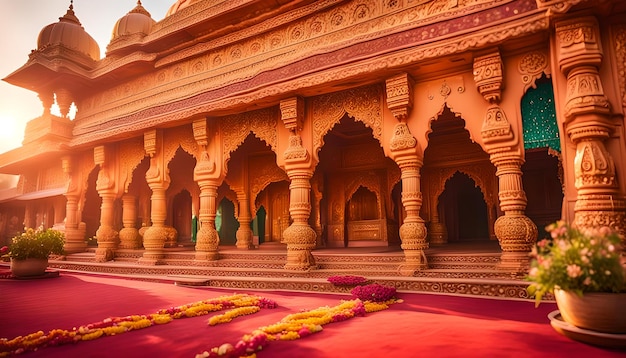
(582, 268)
(30, 250)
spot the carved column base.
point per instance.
(413, 236)
(300, 241)
(171, 237)
(594, 211)
(153, 242)
(437, 234)
(75, 240)
(515, 262)
(107, 243)
(207, 244)
(244, 238)
(415, 261)
(129, 238)
(517, 235)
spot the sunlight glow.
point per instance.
(11, 134)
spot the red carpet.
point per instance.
(422, 326)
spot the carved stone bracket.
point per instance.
(488, 76)
(400, 95)
(292, 113)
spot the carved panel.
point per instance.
(532, 66)
(51, 177)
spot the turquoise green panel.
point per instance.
(539, 118)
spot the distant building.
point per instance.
(328, 123)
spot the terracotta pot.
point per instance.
(600, 312)
(29, 267)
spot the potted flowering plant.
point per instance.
(29, 250)
(582, 268)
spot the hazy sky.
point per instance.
(20, 24)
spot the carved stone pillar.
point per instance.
(244, 233)
(404, 147)
(588, 124)
(74, 234)
(158, 180)
(129, 235)
(106, 235)
(207, 240)
(516, 233)
(299, 236)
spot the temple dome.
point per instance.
(69, 33)
(137, 21)
(179, 5)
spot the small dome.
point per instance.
(137, 21)
(69, 33)
(179, 5)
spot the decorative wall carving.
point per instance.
(619, 39)
(131, 153)
(532, 66)
(261, 172)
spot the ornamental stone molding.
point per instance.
(90, 125)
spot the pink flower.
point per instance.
(4, 250)
(573, 271)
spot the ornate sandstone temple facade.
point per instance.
(326, 124)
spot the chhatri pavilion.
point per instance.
(342, 126)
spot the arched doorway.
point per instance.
(91, 210)
(258, 225)
(463, 210)
(181, 216)
(225, 222)
(357, 180)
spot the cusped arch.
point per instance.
(132, 152)
(235, 129)
(447, 111)
(369, 182)
(179, 137)
(448, 173)
(362, 104)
